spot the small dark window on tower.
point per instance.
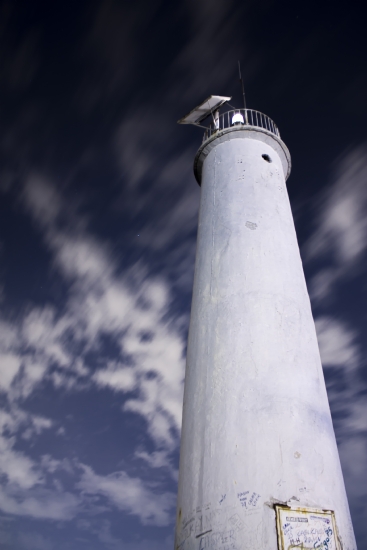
(266, 157)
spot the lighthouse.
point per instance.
(259, 464)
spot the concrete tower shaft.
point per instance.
(257, 432)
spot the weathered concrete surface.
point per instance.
(256, 421)
(239, 132)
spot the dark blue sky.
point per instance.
(98, 217)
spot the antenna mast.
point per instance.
(243, 90)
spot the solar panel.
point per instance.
(204, 109)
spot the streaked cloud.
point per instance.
(130, 495)
(49, 346)
(337, 343)
(337, 247)
(340, 233)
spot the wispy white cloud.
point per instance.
(23, 489)
(9, 368)
(130, 495)
(131, 308)
(46, 345)
(340, 232)
(16, 468)
(159, 188)
(26, 488)
(337, 343)
(116, 376)
(39, 503)
(158, 459)
(342, 358)
(339, 242)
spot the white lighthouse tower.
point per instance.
(259, 465)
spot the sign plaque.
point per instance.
(306, 529)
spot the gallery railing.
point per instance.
(240, 117)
